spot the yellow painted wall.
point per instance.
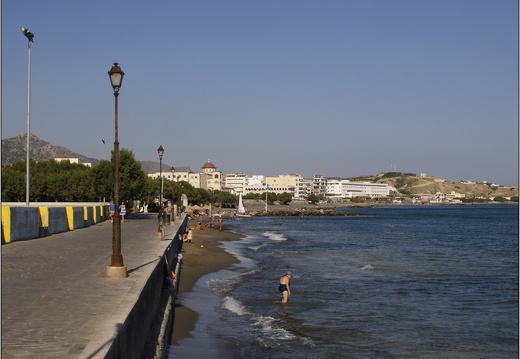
(70, 218)
(6, 224)
(44, 216)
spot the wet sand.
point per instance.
(200, 257)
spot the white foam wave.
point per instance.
(226, 284)
(367, 267)
(270, 328)
(256, 248)
(269, 331)
(275, 236)
(234, 306)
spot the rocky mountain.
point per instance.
(14, 149)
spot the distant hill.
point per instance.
(14, 150)
(410, 184)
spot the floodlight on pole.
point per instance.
(29, 35)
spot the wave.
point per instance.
(234, 306)
(274, 236)
(226, 284)
(269, 330)
(256, 248)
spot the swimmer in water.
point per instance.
(284, 286)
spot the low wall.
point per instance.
(22, 223)
(138, 337)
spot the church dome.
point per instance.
(208, 167)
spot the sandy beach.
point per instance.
(200, 257)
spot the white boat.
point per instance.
(241, 209)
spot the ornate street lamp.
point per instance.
(29, 35)
(160, 152)
(116, 268)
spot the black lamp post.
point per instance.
(160, 152)
(116, 79)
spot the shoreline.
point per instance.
(203, 256)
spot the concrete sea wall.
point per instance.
(40, 220)
(144, 334)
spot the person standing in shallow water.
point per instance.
(284, 287)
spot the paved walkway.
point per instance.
(55, 296)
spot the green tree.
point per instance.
(13, 182)
(103, 180)
(313, 198)
(132, 179)
(271, 197)
(254, 196)
(284, 198)
(224, 199)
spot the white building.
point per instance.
(333, 188)
(236, 182)
(319, 185)
(346, 189)
(73, 160)
(292, 182)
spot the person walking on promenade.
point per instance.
(284, 287)
(111, 210)
(122, 211)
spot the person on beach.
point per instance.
(190, 235)
(185, 237)
(219, 223)
(199, 227)
(284, 287)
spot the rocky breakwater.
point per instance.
(304, 212)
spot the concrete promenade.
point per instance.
(56, 300)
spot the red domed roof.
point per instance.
(209, 165)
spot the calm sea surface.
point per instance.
(397, 282)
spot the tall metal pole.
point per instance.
(28, 120)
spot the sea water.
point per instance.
(396, 282)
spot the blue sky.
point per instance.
(338, 88)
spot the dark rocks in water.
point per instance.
(305, 213)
